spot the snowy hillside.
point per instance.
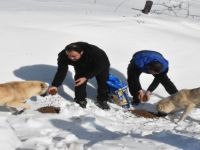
(34, 31)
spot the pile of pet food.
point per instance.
(144, 113)
(49, 109)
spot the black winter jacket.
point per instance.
(92, 62)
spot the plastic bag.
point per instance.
(118, 91)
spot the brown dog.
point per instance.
(15, 94)
(184, 99)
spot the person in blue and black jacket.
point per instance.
(150, 62)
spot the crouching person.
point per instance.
(149, 62)
(88, 61)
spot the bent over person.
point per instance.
(150, 62)
(89, 61)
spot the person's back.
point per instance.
(91, 54)
(146, 57)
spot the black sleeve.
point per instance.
(156, 81)
(61, 71)
(153, 85)
(100, 63)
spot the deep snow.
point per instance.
(34, 31)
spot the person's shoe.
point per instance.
(135, 103)
(103, 105)
(82, 103)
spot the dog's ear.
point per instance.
(43, 86)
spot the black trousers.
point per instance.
(102, 89)
(133, 80)
(134, 85)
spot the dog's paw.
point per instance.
(18, 112)
(178, 122)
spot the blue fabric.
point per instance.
(120, 90)
(142, 58)
(114, 83)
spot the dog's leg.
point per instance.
(18, 112)
(188, 109)
(11, 109)
(17, 104)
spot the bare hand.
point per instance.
(147, 96)
(141, 95)
(53, 90)
(80, 81)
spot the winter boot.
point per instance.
(82, 103)
(103, 105)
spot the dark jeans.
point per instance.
(102, 91)
(134, 82)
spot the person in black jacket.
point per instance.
(89, 61)
(150, 62)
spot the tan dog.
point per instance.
(184, 99)
(15, 94)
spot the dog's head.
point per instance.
(37, 87)
(44, 88)
(165, 106)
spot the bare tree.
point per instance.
(178, 8)
(147, 7)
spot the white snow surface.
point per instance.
(33, 32)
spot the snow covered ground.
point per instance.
(32, 32)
